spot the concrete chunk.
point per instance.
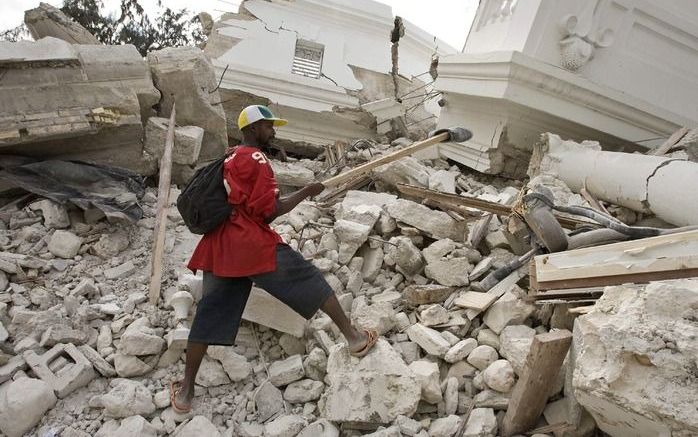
(187, 143)
(22, 405)
(284, 372)
(428, 339)
(64, 368)
(64, 244)
(436, 224)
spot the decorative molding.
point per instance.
(289, 90)
(582, 35)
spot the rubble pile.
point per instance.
(462, 282)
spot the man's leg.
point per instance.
(357, 339)
(195, 353)
(300, 285)
(216, 321)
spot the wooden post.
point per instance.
(533, 387)
(161, 215)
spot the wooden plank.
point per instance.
(475, 300)
(663, 257)
(532, 390)
(480, 204)
(161, 213)
(669, 143)
(365, 168)
(498, 290)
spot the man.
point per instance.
(245, 249)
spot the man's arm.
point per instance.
(287, 203)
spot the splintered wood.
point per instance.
(532, 390)
(671, 256)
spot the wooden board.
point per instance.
(475, 300)
(665, 257)
(161, 213)
(530, 395)
(498, 290)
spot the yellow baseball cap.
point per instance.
(255, 113)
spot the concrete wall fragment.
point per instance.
(186, 75)
(635, 360)
(47, 20)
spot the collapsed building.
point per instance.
(561, 303)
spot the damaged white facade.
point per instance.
(621, 72)
(309, 58)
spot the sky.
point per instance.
(449, 20)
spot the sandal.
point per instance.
(372, 338)
(175, 387)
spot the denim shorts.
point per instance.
(296, 282)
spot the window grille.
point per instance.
(308, 59)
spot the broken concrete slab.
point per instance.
(187, 143)
(633, 342)
(103, 94)
(186, 75)
(403, 171)
(126, 398)
(236, 366)
(373, 389)
(436, 224)
(22, 405)
(508, 310)
(514, 344)
(140, 339)
(450, 272)
(265, 309)
(428, 339)
(286, 371)
(47, 20)
(268, 400)
(427, 372)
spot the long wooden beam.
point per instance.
(473, 202)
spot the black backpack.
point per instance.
(203, 204)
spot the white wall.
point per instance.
(353, 32)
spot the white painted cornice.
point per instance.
(286, 89)
(517, 78)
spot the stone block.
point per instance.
(634, 342)
(481, 423)
(374, 389)
(514, 344)
(428, 339)
(436, 224)
(135, 426)
(64, 368)
(427, 372)
(187, 143)
(285, 426)
(64, 244)
(120, 271)
(22, 405)
(291, 174)
(125, 399)
(482, 356)
(508, 310)
(198, 426)
(264, 309)
(302, 391)
(499, 376)
(460, 350)
(269, 401)
(449, 272)
(186, 74)
(236, 366)
(99, 363)
(140, 339)
(284, 372)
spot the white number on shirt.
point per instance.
(259, 157)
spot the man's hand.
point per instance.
(314, 189)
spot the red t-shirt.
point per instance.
(244, 244)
